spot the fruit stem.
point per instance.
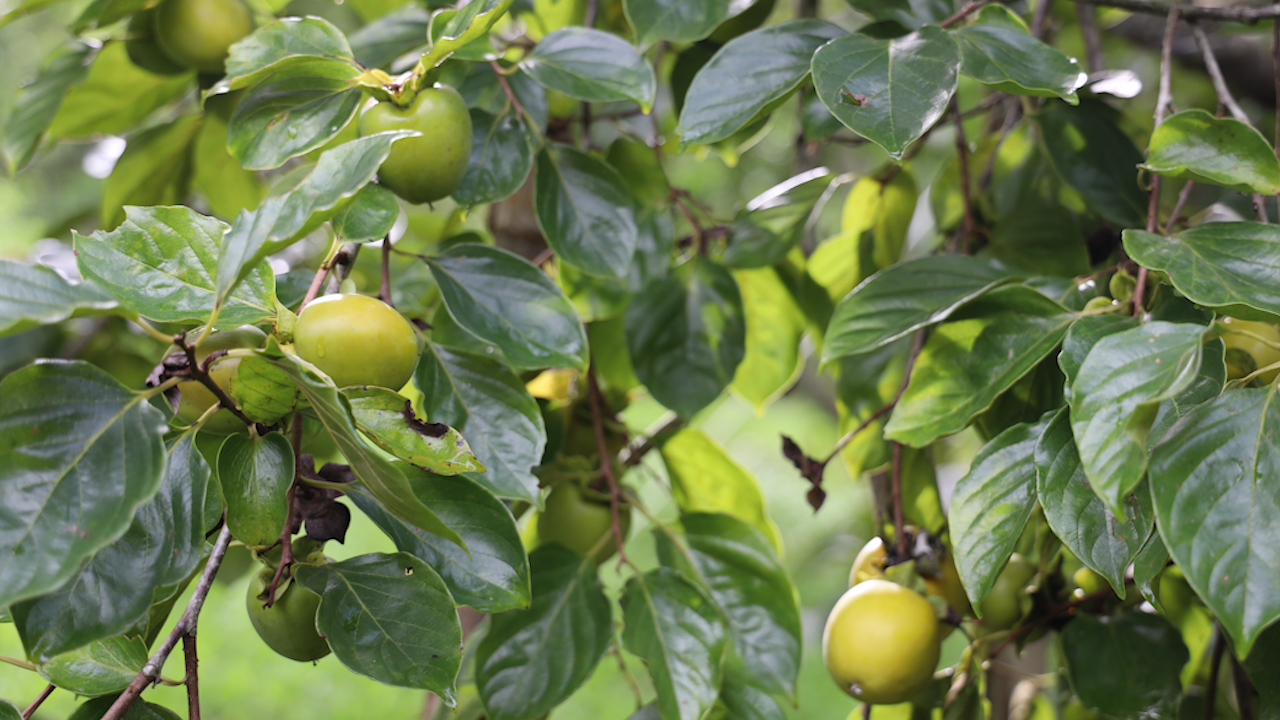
(200, 373)
(606, 461)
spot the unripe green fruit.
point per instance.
(196, 398)
(578, 522)
(429, 167)
(1261, 353)
(881, 642)
(143, 49)
(357, 340)
(289, 625)
(1008, 601)
(199, 33)
(1089, 581)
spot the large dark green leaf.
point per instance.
(162, 263)
(1084, 334)
(675, 20)
(999, 51)
(389, 617)
(1221, 151)
(743, 700)
(113, 590)
(1115, 395)
(749, 74)
(1078, 517)
(1217, 264)
(1096, 158)
(501, 159)
(907, 13)
(1214, 481)
(387, 418)
(370, 215)
(294, 111)
(255, 475)
(39, 102)
(907, 297)
(740, 568)
(978, 353)
(383, 40)
(888, 91)
(531, 660)
(687, 335)
(774, 221)
(494, 576)
(284, 42)
(79, 452)
(681, 635)
(1125, 665)
(1263, 665)
(500, 297)
(585, 211)
(115, 97)
(489, 404)
(155, 169)
(377, 474)
(32, 295)
(591, 65)
(991, 505)
(100, 668)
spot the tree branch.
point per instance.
(1215, 74)
(200, 373)
(1087, 18)
(606, 461)
(193, 674)
(384, 290)
(35, 704)
(1163, 99)
(151, 671)
(970, 8)
(1236, 13)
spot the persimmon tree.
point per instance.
(1035, 273)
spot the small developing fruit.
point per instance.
(357, 340)
(579, 519)
(199, 33)
(1008, 600)
(142, 48)
(881, 642)
(196, 398)
(289, 625)
(428, 167)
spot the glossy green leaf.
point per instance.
(775, 325)
(1207, 385)
(490, 406)
(675, 20)
(991, 505)
(591, 65)
(39, 101)
(283, 42)
(1147, 566)
(255, 475)
(389, 617)
(741, 570)
(749, 74)
(1197, 146)
(906, 297)
(114, 589)
(97, 708)
(1114, 399)
(774, 221)
(501, 159)
(687, 335)
(100, 668)
(387, 418)
(155, 169)
(744, 701)
(78, 453)
(1095, 158)
(999, 51)
(1083, 335)
(1213, 479)
(395, 34)
(1125, 665)
(704, 478)
(32, 295)
(378, 475)
(472, 22)
(531, 660)
(585, 211)
(888, 91)
(494, 577)
(679, 632)
(500, 297)
(445, 23)
(294, 111)
(1217, 264)
(907, 13)
(161, 263)
(978, 353)
(263, 391)
(370, 215)
(1079, 518)
(115, 97)
(9, 711)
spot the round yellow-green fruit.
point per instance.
(357, 340)
(199, 33)
(870, 562)
(142, 48)
(579, 522)
(196, 398)
(1262, 353)
(428, 167)
(1176, 595)
(1008, 600)
(289, 625)
(1089, 581)
(881, 642)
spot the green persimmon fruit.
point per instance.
(881, 642)
(143, 49)
(357, 340)
(744, 22)
(1089, 581)
(1176, 596)
(196, 398)
(289, 625)
(199, 33)
(578, 520)
(428, 167)
(1262, 353)
(1008, 600)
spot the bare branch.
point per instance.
(1233, 13)
(35, 704)
(193, 674)
(1086, 16)
(1215, 74)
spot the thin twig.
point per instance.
(384, 290)
(899, 525)
(916, 345)
(343, 261)
(286, 533)
(35, 704)
(186, 623)
(1215, 665)
(506, 88)
(1086, 15)
(1163, 99)
(18, 663)
(1177, 206)
(1234, 13)
(606, 461)
(1215, 74)
(1244, 689)
(193, 674)
(971, 7)
(968, 225)
(1054, 612)
(318, 281)
(1040, 19)
(200, 373)
(637, 452)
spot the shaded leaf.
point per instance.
(1125, 665)
(370, 215)
(585, 211)
(100, 668)
(999, 51)
(1096, 159)
(591, 65)
(501, 159)
(39, 101)
(675, 20)
(774, 221)
(155, 169)
(32, 294)
(115, 96)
